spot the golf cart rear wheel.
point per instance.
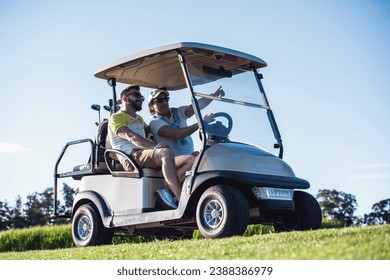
(307, 214)
(222, 211)
(87, 228)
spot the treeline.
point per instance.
(341, 206)
(38, 210)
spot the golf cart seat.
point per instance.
(108, 157)
(99, 165)
(131, 168)
(106, 160)
(101, 140)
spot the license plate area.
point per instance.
(273, 193)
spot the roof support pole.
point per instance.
(198, 115)
(112, 83)
(270, 114)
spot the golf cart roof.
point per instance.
(160, 67)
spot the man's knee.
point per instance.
(191, 159)
(166, 153)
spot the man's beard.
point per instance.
(134, 105)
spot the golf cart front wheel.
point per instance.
(307, 214)
(222, 211)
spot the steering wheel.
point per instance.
(217, 128)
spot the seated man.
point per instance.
(126, 132)
(169, 124)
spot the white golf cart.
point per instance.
(238, 178)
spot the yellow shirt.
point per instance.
(118, 120)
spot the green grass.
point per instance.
(36, 238)
(353, 243)
(60, 237)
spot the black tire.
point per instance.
(87, 228)
(307, 215)
(222, 211)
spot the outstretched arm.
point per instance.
(203, 102)
(177, 133)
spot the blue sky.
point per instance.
(327, 79)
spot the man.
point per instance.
(169, 124)
(127, 133)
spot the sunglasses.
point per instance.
(161, 100)
(137, 96)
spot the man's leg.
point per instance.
(183, 164)
(166, 158)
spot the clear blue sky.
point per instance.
(328, 79)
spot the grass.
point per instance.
(353, 243)
(36, 238)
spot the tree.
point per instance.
(5, 216)
(380, 214)
(337, 205)
(38, 209)
(47, 199)
(68, 196)
(66, 208)
(17, 219)
(34, 211)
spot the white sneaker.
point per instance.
(165, 198)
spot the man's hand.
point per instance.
(209, 118)
(219, 92)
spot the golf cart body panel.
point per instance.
(126, 201)
(116, 190)
(239, 165)
(243, 158)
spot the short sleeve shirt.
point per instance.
(184, 146)
(118, 120)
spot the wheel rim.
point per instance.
(213, 214)
(84, 226)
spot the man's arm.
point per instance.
(203, 102)
(177, 133)
(127, 134)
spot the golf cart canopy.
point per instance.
(160, 67)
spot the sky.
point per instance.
(327, 79)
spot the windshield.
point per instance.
(239, 113)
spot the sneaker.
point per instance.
(165, 198)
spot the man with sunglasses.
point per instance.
(127, 132)
(169, 124)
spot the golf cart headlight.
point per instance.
(273, 193)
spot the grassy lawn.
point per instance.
(354, 243)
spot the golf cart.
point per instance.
(238, 177)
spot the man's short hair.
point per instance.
(130, 89)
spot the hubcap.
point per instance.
(213, 214)
(84, 227)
